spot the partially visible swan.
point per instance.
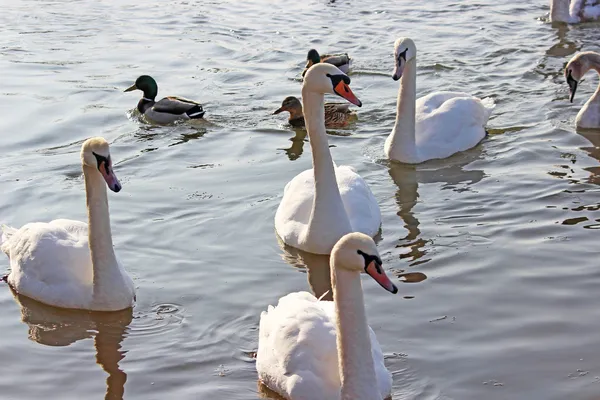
(589, 115)
(68, 263)
(434, 126)
(322, 350)
(574, 11)
(322, 204)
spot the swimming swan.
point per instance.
(574, 11)
(589, 115)
(322, 204)
(63, 262)
(310, 349)
(434, 126)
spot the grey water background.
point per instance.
(500, 242)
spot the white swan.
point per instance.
(322, 204)
(62, 264)
(574, 11)
(434, 126)
(310, 349)
(589, 115)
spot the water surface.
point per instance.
(498, 244)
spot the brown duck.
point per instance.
(337, 115)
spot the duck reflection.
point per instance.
(407, 178)
(297, 148)
(53, 326)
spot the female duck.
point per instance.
(589, 115)
(322, 204)
(434, 126)
(167, 110)
(337, 115)
(310, 349)
(574, 11)
(67, 263)
(342, 61)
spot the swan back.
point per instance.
(297, 355)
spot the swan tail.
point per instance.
(489, 104)
(7, 233)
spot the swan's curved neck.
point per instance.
(328, 211)
(104, 261)
(559, 11)
(593, 60)
(357, 371)
(403, 145)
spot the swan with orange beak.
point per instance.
(322, 204)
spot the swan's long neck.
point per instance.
(328, 209)
(559, 11)
(593, 60)
(104, 261)
(357, 372)
(403, 145)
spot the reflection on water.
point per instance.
(593, 135)
(53, 326)
(450, 173)
(316, 266)
(563, 47)
(297, 148)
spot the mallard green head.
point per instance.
(146, 84)
(312, 58)
(291, 104)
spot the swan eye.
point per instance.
(402, 56)
(336, 79)
(369, 259)
(101, 159)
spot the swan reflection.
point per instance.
(450, 172)
(53, 326)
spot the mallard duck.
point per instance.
(167, 110)
(337, 115)
(342, 61)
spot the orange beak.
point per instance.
(376, 272)
(343, 90)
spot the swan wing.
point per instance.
(297, 353)
(360, 203)
(449, 122)
(51, 262)
(584, 10)
(297, 350)
(293, 215)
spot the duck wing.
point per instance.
(177, 105)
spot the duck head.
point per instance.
(146, 84)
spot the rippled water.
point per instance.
(497, 245)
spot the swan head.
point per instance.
(404, 51)
(328, 79)
(576, 69)
(357, 252)
(95, 153)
